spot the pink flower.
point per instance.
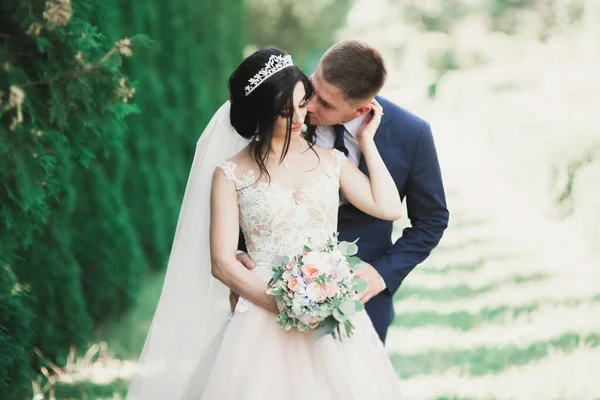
(293, 283)
(331, 290)
(338, 273)
(310, 273)
(289, 266)
(324, 294)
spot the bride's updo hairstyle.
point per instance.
(254, 115)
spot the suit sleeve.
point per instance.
(242, 243)
(427, 211)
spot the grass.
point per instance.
(449, 293)
(90, 390)
(126, 336)
(487, 360)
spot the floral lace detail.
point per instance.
(228, 168)
(242, 305)
(341, 160)
(277, 221)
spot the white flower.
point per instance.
(287, 275)
(297, 304)
(339, 273)
(336, 257)
(314, 292)
(320, 260)
(301, 288)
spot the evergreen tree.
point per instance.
(15, 336)
(61, 94)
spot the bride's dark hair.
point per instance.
(254, 116)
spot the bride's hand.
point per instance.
(367, 130)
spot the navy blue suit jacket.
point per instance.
(406, 145)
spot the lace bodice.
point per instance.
(277, 221)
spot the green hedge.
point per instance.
(61, 85)
(182, 81)
(15, 335)
(89, 195)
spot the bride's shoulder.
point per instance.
(328, 153)
(241, 161)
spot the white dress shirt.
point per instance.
(326, 138)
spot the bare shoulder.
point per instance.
(235, 166)
(326, 153)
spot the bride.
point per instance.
(254, 171)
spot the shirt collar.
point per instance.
(353, 126)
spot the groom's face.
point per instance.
(327, 105)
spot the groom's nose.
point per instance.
(311, 104)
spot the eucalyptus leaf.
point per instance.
(339, 316)
(348, 307)
(288, 325)
(358, 306)
(352, 249)
(323, 331)
(354, 261)
(343, 247)
(360, 285)
(302, 327)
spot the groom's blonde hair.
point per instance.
(354, 67)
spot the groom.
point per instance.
(347, 79)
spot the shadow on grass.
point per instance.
(468, 266)
(465, 321)
(487, 359)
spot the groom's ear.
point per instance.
(362, 110)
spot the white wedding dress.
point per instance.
(254, 358)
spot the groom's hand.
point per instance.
(374, 282)
(246, 261)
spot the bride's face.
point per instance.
(299, 113)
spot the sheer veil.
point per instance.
(193, 308)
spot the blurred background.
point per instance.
(101, 104)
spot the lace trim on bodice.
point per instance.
(277, 221)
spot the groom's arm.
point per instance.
(426, 205)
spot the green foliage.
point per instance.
(89, 196)
(15, 335)
(305, 29)
(62, 93)
(182, 80)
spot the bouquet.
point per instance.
(316, 290)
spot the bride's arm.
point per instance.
(224, 234)
(377, 196)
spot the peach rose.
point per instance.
(293, 283)
(310, 273)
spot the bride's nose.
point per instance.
(299, 116)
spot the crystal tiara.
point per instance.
(275, 64)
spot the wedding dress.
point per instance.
(253, 358)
